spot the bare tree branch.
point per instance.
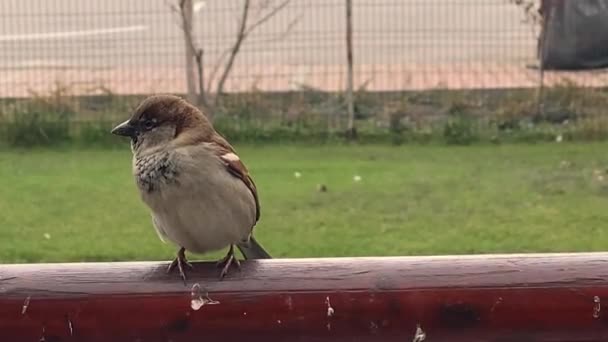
(244, 31)
(283, 35)
(222, 66)
(217, 66)
(267, 17)
(235, 49)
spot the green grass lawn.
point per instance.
(82, 205)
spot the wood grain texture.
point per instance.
(536, 297)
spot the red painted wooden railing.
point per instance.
(521, 298)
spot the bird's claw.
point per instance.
(180, 261)
(227, 261)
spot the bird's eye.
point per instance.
(148, 124)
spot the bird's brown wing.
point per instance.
(235, 166)
(252, 249)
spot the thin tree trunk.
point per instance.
(241, 34)
(540, 95)
(349, 60)
(186, 8)
(202, 92)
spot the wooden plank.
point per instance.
(536, 297)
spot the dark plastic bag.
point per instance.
(574, 34)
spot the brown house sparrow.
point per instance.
(200, 193)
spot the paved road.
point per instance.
(126, 35)
(136, 32)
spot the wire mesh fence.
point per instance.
(100, 53)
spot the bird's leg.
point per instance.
(180, 261)
(227, 261)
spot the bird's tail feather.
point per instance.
(253, 250)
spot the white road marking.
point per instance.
(70, 34)
(36, 63)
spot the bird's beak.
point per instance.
(125, 129)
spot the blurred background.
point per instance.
(373, 126)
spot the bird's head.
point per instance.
(164, 121)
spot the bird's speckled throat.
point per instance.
(153, 170)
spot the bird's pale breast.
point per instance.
(195, 202)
